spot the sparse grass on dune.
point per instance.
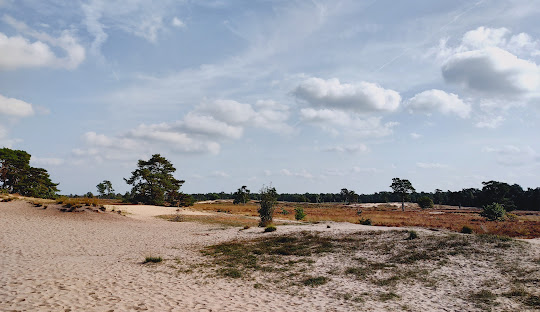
(525, 225)
(384, 262)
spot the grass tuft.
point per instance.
(151, 259)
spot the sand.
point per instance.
(88, 261)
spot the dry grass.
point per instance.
(384, 262)
(221, 219)
(525, 225)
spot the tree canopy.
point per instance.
(153, 182)
(403, 188)
(241, 196)
(17, 176)
(105, 188)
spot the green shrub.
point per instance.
(270, 228)
(299, 213)
(150, 259)
(425, 202)
(268, 203)
(412, 235)
(493, 212)
(284, 212)
(466, 230)
(315, 281)
(365, 221)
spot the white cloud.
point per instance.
(138, 17)
(269, 114)
(349, 123)
(489, 122)
(348, 149)
(228, 111)
(176, 22)
(430, 165)
(46, 161)
(18, 52)
(437, 100)
(360, 97)
(208, 125)
(301, 174)
(14, 107)
(491, 62)
(492, 71)
(415, 135)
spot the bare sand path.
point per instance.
(53, 261)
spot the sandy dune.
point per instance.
(87, 261)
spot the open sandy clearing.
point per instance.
(53, 261)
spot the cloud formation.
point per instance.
(15, 107)
(493, 63)
(19, 52)
(438, 100)
(360, 97)
(351, 124)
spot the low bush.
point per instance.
(425, 202)
(315, 281)
(412, 235)
(493, 212)
(466, 230)
(299, 213)
(270, 228)
(365, 221)
(150, 259)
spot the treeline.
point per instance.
(513, 197)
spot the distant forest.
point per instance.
(513, 197)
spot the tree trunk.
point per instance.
(402, 204)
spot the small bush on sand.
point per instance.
(466, 230)
(151, 259)
(493, 212)
(299, 213)
(365, 221)
(315, 281)
(412, 235)
(270, 228)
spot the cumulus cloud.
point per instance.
(359, 97)
(19, 52)
(415, 135)
(200, 131)
(266, 114)
(493, 62)
(350, 123)
(15, 107)
(437, 100)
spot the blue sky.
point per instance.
(311, 96)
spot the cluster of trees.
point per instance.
(153, 183)
(512, 197)
(17, 176)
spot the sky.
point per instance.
(308, 95)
